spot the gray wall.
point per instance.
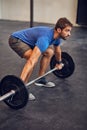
(47, 11)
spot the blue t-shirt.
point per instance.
(39, 36)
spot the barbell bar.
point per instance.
(15, 93)
(12, 92)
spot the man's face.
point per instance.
(65, 33)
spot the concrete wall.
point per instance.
(0, 8)
(15, 9)
(47, 11)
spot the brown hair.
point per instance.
(62, 23)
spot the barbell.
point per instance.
(14, 92)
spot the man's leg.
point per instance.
(32, 57)
(44, 63)
(27, 55)
(30, 63)
(45, 60)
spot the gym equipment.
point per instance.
(15, 93)
(69, 66)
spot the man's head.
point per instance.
(63, 28)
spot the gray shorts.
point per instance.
(18, 46)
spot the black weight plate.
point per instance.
(68, 68)
(20, 98)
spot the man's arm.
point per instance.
(57, 51)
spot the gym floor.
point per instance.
(61, 108)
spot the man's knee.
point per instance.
(49, 52)
(27, 54)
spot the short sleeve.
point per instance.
(57, 42)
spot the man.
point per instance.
(32, 42)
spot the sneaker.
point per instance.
(43, 82)
(31, 97)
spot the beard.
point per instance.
(64, 37)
